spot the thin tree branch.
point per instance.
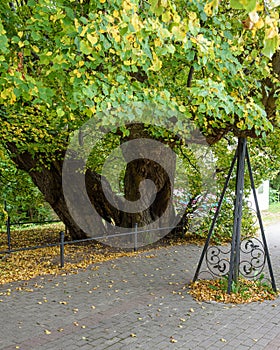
(190, 76)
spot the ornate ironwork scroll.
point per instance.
(253, 258)
(217, 260)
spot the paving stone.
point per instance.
(146, 305)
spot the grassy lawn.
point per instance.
(272, 215)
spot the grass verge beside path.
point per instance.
(272, 215)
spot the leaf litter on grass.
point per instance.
(216, 291)
(25, 265)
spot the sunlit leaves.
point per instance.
(248, 5)
(211, 7)
(260, 15)
(3, 39)
(270, 45)
(157, 6)
(76, 64)
(271, 39)
(273, 3)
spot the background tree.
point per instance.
(64, 62)
(19, 197)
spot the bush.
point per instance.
(223, 229)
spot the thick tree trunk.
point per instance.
(148, 159)
(149, 180)
(136, 172)
(50, 183)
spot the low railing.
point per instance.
(61, 243)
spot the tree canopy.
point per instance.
(65, 62)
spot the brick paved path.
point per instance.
(133, 303)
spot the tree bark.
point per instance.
(97, 190)
(49, 182)
(151, 161)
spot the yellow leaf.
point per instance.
(211, 7)
(259, 24)
(116, 14)
(157, 42)
(135, 21)
(166, 16)
(92, 39)
(83, 32)
(115, 34)
(157, 64)
(271, 33)
(127, 5)
(179, 33)
(47, 331)
(35, 48)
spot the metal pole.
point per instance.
(9, 233)
(136, 237)
(61, 245)
(215, 217)
(8, 225)
(260, 222)
(235, 243)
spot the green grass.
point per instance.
(272, 215)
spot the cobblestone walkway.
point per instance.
(133, 303)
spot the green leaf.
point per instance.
(270, 46)
(85, 47)
(157, 7)
(60, 112)
(35, 36)
(3, 43)
(248, 5)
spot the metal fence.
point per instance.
(135, 233)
